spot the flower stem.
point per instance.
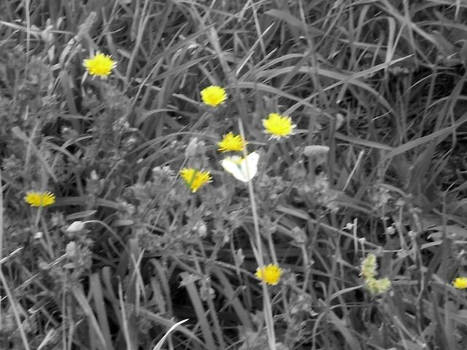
(259, 257)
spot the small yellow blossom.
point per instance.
(278, 126)
(195, 179)
(231, 142)
(270, 274)
(369, 266)
(378, 286)
(39, 199)
(460, 283)
(368, 271)
(99, 65)
(213, 95)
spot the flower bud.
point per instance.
(76, 226)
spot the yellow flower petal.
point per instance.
(270, 274)
(195, 179)
(231, 143)
(99, 65)
(278, 126)
(39, 199)
(213, 95)
(460, 283)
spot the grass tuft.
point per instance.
(368, 164)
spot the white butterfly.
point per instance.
(243, 169)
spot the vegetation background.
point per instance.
(381, 83)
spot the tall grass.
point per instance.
(381, 83)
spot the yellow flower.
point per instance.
(369, 267)
(270, 274)
(368, 271)
(378, 286)
(278, 126)
(99, 65)
(231, 142)
(213, 95)
(39, 199)
(195, 179)
(460, 283)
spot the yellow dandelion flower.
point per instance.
(39, 199)
(99, 65)
(460, 283)
(213, 95)
(278, 126)
(231, 142)
(195, 179)
(270, 274)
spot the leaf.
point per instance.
(81, 214)
(288, 18)
(161, 342)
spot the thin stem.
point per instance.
(259, 256)
(15, 309)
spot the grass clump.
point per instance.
(123, 224)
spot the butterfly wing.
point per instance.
(249, 166)
(230, 164)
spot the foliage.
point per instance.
(371, 96)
